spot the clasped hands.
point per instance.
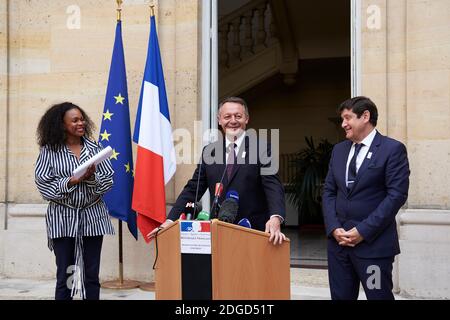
(348, 238)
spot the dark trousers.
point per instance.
(64, 249)
(346, 271)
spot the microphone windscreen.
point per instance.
(228, 210)
(189, 209)
(245, 223)
(203, 215)
(233, 195)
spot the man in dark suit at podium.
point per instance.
(239, 165)
(366, 185)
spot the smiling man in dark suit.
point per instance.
(261, 194)
(366, 185)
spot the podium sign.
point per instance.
(195, 237)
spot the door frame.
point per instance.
(209, 74)
(210, 66)
(355, 53)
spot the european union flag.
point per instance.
(115, 131)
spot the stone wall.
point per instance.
(46, 57)
(61, 50)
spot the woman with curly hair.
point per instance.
(77, 217)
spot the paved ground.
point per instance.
(306, 284)
(308, 247)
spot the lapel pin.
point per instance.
(369, 155)
(243, 154)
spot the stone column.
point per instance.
(3, 96)
(396, 124)
(406, 71)
(425, 225)
(396, 69)
(3, 120)
(428, 97)
(374, 57)
(425, 229)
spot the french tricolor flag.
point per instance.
(155, 160)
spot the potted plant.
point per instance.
(305, 189)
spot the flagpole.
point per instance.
(121, 283)
(120, 252)
(149, 286)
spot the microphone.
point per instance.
(244, 222)
(189, 210)
(196, 202)
(233, 194)
(217, 193)
(228, 210)
(198, 207)
(203, 216)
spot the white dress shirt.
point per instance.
(362, 153)
(238, 143)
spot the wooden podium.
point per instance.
(243, 265)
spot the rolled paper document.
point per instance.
(99, 157)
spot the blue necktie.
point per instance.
(352, 167)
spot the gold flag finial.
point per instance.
(152, 10)
(119, 10)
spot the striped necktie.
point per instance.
(352, 167)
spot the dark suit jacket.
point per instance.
(260, 196)
(379, 191)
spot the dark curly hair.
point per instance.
(51, 131)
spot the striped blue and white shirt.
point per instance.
(53, 171)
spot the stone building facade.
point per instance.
(52, 51)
